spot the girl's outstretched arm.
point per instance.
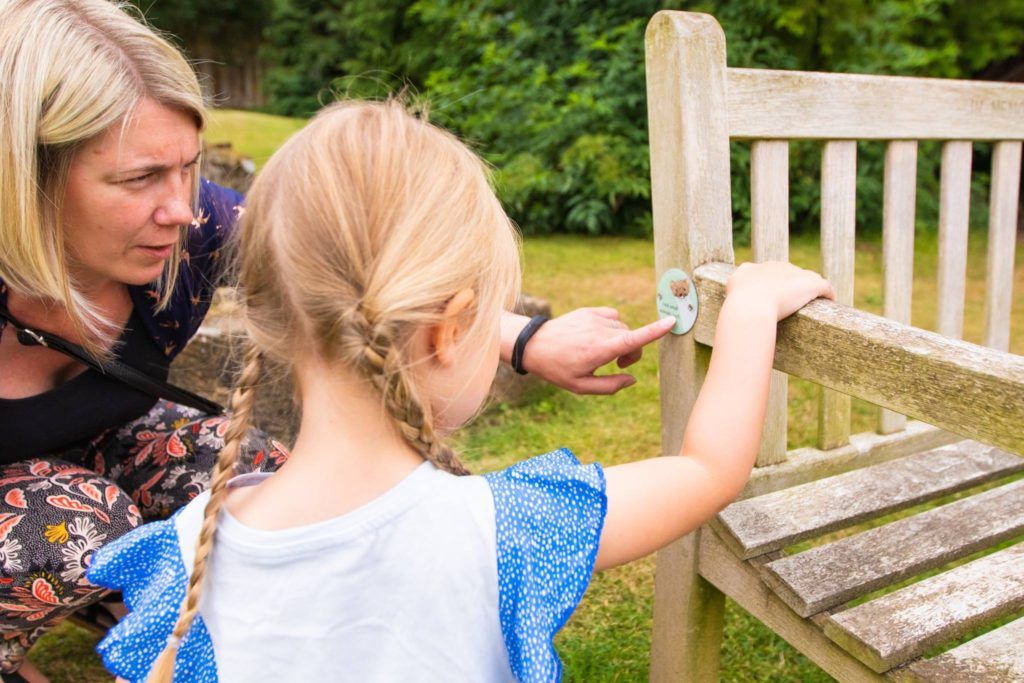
(653, 502)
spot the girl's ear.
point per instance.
(445, 335)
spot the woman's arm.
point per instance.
(653, 502)
(567, 350)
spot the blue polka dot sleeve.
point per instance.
(146, 566)
(549, 513)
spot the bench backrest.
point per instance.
(697, 106)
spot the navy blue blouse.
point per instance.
(199, 275)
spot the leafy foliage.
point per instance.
(553, 94)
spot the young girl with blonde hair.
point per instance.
(376, 262)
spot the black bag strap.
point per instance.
(114, 368)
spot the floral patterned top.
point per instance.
(201, 269)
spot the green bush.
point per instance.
(553, 94)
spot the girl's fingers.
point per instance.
(826, 289)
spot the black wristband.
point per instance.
(520, 346)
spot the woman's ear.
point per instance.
(445, 335)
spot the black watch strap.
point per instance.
(520, 346)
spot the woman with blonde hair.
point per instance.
(111, 243)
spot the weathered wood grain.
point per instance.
(691, 202)
(769, 212)
(954, 212)
(757, 525)
(743, 584)
(828, 575)
(1002, 233)
(771, 104)
(838, 225)
(867, 448)
(961, 387)
(898, 627)
(695, 104)
(898, 247)
(995, 657)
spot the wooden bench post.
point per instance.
(692, 226)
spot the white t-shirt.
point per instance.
(440, 578)
(405, 588)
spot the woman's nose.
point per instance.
(176, 209)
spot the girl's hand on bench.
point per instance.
(566, 351)
(789, 286)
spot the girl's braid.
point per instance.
(382, 363)
(242, 401)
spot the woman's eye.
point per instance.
(137, 180)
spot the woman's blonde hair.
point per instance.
(70, 69)
(357, 233)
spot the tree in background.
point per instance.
(223, 39)
(553, 93)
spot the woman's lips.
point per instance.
(159, 252)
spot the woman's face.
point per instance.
(129, 195)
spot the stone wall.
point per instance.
(226, 167)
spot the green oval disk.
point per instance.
(677, 297)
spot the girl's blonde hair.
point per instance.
(357, 233)
(70, 69)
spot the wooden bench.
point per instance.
(966, 401)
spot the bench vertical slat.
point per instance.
(1002, 233)
(838, 223)
(898, 248)
(692, 210)
(769, 209)
(954, 212)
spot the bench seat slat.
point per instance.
(895, 628)
(758, 525)
(995, 657)
(826, 576)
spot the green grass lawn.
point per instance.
(608, 639)
(251, 133)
